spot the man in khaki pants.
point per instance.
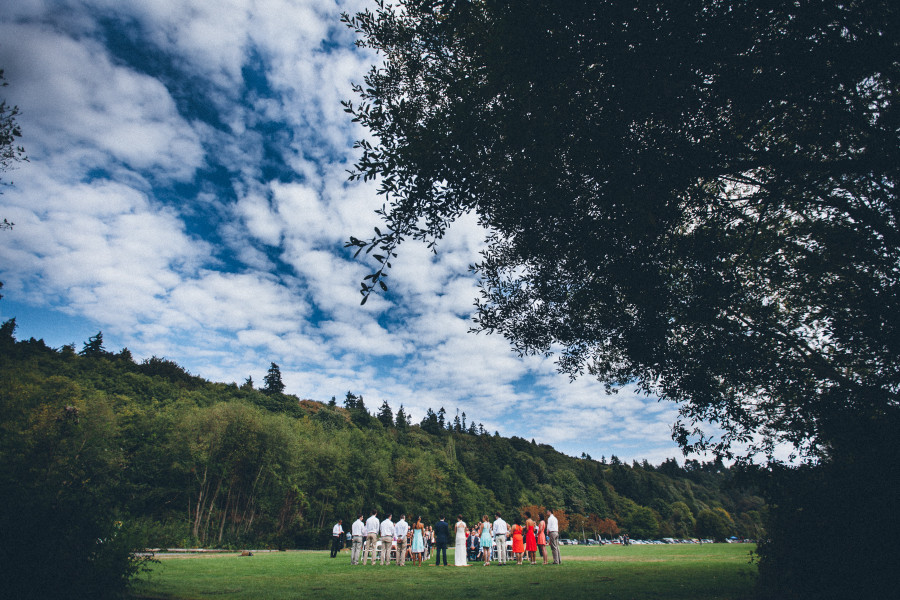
(401, 528)
(358, 531)
(387, 536)
(372, 526)
(553, 535)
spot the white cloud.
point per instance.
(261, 222)
(80, 109)
(265, 278)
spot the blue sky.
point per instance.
(187, 194)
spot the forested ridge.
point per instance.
(98, 446)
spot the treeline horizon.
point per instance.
(164, 458)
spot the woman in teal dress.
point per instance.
(418, 542)
(486, 539)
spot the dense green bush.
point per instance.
(60, 485)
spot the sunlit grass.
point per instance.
(708, 572)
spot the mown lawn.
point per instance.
(708, 572)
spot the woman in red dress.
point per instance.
(530, 539)
(518, 546)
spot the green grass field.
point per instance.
(708, 572)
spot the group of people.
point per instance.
(486, 541)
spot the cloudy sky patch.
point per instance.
(187, 194)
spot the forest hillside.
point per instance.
(97, 445)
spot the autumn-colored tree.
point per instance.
(536, 512)
(600, 526)
(610, 528)
(594, 524)
(578, 523)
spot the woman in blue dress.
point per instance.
(486, 539)
(418, 542)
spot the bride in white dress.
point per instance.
(459, 551)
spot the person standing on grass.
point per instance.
(553, 534)
(542, 537)
(418, 542)
(372, 527)
(500, 529)
(518, 541)
(401, 529)
(486, 537)
(530, 538)
(358, 534)
(337, 536)
(387, 536)
(441, 539)
(459, 553)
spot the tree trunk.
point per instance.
(200, 506)
(224, 515)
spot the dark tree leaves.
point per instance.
(696, 197)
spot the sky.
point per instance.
(187, 195)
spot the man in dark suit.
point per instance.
(441, 539)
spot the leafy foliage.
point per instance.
(10, 152)
(697, 196)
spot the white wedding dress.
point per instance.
(459, 551)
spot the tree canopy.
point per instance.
(10, 152)
(272, 380)
(699, 196)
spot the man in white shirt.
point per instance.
(400, 530)
(358, 534)
(387, 536)
(372, 526)
(337, 536)
(553, 535)
(500, 530)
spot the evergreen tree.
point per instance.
(350, 401)
(272, 380)
(430, 423)
(8, 329)
(333, 402)
(385, 415)
(402, 418)
(94, 346)
(248, 383)
(442, 418)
